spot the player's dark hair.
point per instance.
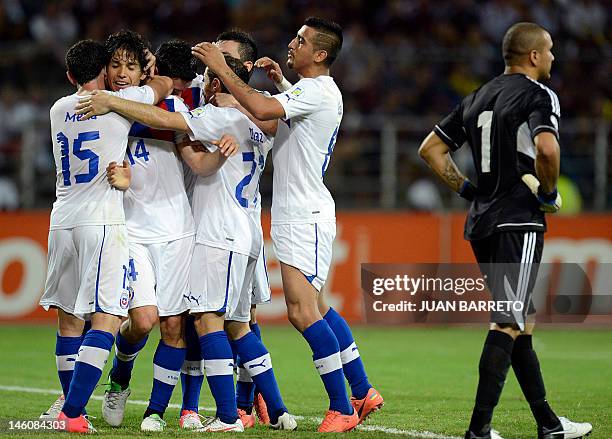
(129, 41)
(237, 67)
(328, 37)
(174, 59)
(520, 39)
(247, 47)
(85, 59)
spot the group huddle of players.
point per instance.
(157, 218)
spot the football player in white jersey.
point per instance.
(88, 248)
(228, 241)
(242, 46)
(303, 211)
(160, 229)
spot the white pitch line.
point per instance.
(370, 427)
(95, 397)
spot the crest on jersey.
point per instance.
(198, 112)
(124, 300)
(297, 91)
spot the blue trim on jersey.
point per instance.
(330, 149)
(312, 277)
(170, 104)
(139, 130)
(263, 253)
(227, 282)
(98, 309)
(197, 95)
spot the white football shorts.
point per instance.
(159, 275)
(260, 285)
(85, 270)
(307, 247)
(220, 281)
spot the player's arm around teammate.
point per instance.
(119, 176)
(101, 103)
(311, 112)
(260, 106)
(227, 100)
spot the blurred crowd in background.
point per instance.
(404, 65)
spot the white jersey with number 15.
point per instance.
(82, 149)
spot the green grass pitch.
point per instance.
(426, 375)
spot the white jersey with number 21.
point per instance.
(224, 203)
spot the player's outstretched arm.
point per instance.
(162, 87)
(100, 102)
(437, 155)
(119, 177)
(227, 100)
(206, 163)
(260, 106)
(547, 160)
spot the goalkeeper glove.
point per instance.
(549, 202)
(467, 190)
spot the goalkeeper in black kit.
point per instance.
(511, 125)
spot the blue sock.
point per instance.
(258, 363)
(123, 363)
(219, 366)
(192, 373)
(66, 350)
(349, 354)
(245, 388)
(167, 363)
(326, 356)
(255, 330)
(87, 370)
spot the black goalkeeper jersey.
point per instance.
(499, 121)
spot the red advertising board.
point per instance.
(362, 237)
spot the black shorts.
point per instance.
(510, 262)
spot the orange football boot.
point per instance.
(261, 409)
(336, 422)
(74, 425)
(248, 421)
(372, 402)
